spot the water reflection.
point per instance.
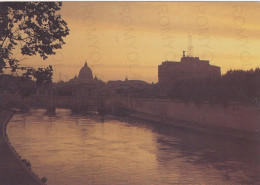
(236, 160)
(70, 149)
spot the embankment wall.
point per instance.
(12, 170)
(236, 116)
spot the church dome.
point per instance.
(85, 74)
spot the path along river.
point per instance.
(75, 150)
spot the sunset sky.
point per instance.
(120, 39)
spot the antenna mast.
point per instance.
(190, 46)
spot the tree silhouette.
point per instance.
(33, 27)
(41, 75)
(234, 86)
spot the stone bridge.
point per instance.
(235, 116)
(47, 102)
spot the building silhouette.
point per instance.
(131, 88)
(188, 67)
(85, 74)
(83, 85)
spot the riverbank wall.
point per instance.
(12, 170)
(244, 118)
(236, 116)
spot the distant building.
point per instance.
(127, 83)
(85, 74)
(133, 88)
(188, 67)
(83, 85)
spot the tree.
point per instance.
(41, 75)
(33, 27)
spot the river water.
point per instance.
(77, 150)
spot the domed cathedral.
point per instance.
(85, 74)
(83, 85)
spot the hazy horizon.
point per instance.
(119, 39)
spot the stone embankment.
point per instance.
(12, 170)
(241, 120)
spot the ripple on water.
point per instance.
(71, 149)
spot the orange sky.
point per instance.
(120, 39)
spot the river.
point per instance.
(75, 150)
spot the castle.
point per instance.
(189, 67)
